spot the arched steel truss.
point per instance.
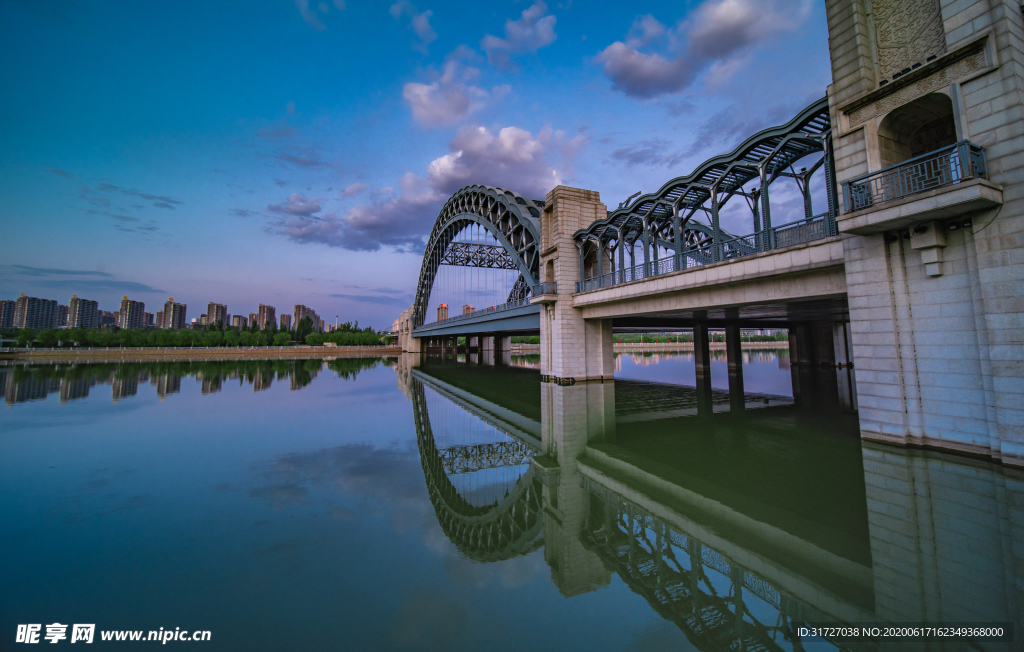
(512, 527)
(663, 218)
(512, 219)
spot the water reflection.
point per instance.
(35, 382)
(738, 528)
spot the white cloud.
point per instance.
(534, 30)
(510, 158)
(452, 97)
(313, 15)
(717, 38)
(418, 21)
(296, 204)
(353, 190)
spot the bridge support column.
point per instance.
(572, 349)
(571, 418)
(734, 357)
(702, 362)
(813, 365)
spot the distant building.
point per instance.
(286, 322)
(303, 311)
(7, 313)
(130, 315)
(467, 309)
(254, 318)
(217, 312)
(30, 312)
(147, 320)
(60, 319)
(107, 318)
(239, 322)
(442, 312)
(202, 320)
(267, 315)
(159, 322)
(83, 313)
(173, 314)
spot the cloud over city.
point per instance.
(419, 23)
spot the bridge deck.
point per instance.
(521, 319)
(771, 280)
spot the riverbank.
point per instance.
(198, 353)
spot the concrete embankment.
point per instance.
(199, 353)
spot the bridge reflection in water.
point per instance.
(737, 527)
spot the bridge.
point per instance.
(884, 236)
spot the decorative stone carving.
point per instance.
(907, 32)
(938, 80)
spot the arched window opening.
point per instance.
(914, 129)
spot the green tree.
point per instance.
(231, 337)
(282, 339)
(303, 328)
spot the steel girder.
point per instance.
(509, 528)
(511, 218)
(471, 254)
(764, 156)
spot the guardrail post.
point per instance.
(966, 160)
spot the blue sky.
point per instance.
(295, 151)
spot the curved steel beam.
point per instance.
(513, 220)
(776, 148)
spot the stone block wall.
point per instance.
(939, 359)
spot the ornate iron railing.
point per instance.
(547, 287)
(785, 235)
(958, 162)
(483, 311)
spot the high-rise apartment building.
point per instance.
(304, 311)
(267, 315)
(130, 315)
(442, 312)
(83, 313)
(238, 321)
(30, 312)
(147, 320)
(253, 318)
(108, 318)
(7, 313)
(286, 322)
(60, 318)
(217, 312)
(173, 314)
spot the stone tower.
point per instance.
(928, 126)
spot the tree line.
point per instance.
(347, 334)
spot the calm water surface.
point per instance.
(399, 504)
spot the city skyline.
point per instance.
(257, 177)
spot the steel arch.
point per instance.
(513, 220)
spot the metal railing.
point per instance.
(547, 287)
(785, 235)
(483, 311)
(952, 164)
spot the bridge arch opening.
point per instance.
(916, 128)
(504, 235)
